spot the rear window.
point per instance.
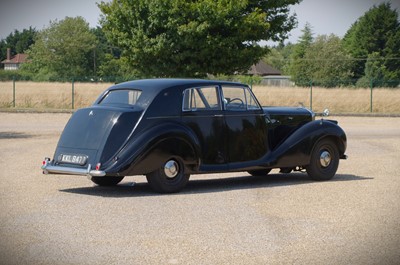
(121, 97)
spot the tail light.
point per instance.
(45, 161)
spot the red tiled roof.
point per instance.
(18, 58)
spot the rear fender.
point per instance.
(297, 148)
(148, 151)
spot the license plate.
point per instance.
(73, 159)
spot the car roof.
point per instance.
(159, 84)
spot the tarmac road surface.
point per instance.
(217, 219)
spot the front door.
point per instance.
(245, 125)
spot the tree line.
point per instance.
(368, 54)
(207, 37)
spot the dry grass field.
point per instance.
(337, 100)
(49, 95)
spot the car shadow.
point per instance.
(14, 135)
(198, 186)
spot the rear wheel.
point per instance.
(106, 181)
(324, 160)
(169, 178)
(260, 172)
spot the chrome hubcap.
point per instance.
(325, 159)
(171, 169)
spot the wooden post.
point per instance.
(13, 91)
(311, 83)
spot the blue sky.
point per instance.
(325, 16)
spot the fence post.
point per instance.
(14, 91)
(370, 102)
(311, 83)
(73, 94)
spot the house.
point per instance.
(270, 76)
(14, 62)
(263, 69)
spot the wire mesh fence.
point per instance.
(49, 95)
(339, 100)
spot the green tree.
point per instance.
(116, 69)
(377, 31)
(64, 50)
(194, 38)
(329, 64)
(374, 72)
(279, 57)
(277, 16)
(105, 55)
(374, 69)
(18, 42)
(300, 69)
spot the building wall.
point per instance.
(11, 66)
(280, 81)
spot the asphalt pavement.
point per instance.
(217, 219)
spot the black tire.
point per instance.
(324, 160)
(169, 178)
(106, 181)
(260, 172)
(286, 170)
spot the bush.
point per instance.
(8, 75)
(366, 82)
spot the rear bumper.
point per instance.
(50, 169)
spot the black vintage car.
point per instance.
(168, 129)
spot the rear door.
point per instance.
(202, 112)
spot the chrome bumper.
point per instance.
(49, 169)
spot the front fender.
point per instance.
(146, 152)
(297, 148)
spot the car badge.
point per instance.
(91, 113)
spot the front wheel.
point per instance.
(107, 180)
(324, 160)
(169, 178)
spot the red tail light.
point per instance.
(45, 161)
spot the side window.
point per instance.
(239, 99)
(201, 98)
(234, 98)
(251, 100)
